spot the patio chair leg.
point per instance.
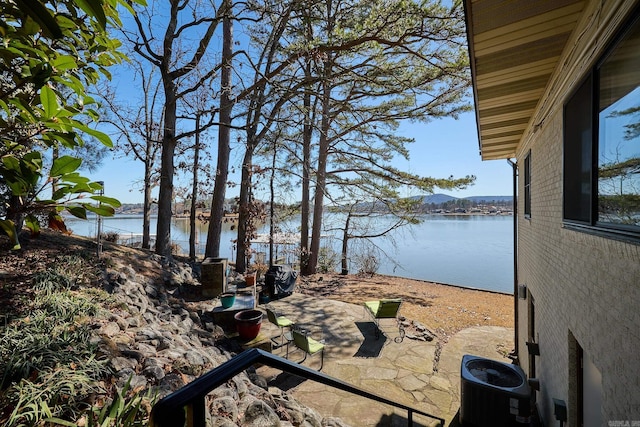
(304, 358)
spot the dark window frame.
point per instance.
(575, 177)
(527, 185)
(578, 166)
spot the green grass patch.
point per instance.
(49, 369)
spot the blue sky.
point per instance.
(443, 147)
(450, 147)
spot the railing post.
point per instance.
(196, 416)
(410, 418)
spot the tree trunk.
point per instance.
(272, 196)
(345, 245)
(194, 193)
(146, 207)
(165, 196)
(224, 148)
(15, 212)
(306, 178)
(55, 153)
(244, 214)
(167, 168)
(321, 175)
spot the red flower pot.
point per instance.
(248, 323)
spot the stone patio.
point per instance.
(412, 372)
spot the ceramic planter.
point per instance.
(250, 279)
(227, 299)
(248, 323)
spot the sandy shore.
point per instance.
(444, 309)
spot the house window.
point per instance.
(602, 141)
(527, 186)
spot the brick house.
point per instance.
(557, 90)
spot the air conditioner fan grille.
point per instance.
(492, 373)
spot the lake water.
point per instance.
(466, 250)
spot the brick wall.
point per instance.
(585, 286)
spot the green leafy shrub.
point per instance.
(125, 409)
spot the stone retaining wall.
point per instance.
(157, 343)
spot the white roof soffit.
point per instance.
(514, 47)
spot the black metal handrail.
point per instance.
(187, 405)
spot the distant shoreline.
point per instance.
(234, 218)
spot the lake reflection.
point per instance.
(474, 251)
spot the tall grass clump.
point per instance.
(50, 371)
(66, 272)
(48, 365)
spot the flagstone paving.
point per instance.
(410, 372)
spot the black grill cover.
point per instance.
(280, 281)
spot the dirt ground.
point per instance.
(443, 309)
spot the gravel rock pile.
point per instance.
(155, 342)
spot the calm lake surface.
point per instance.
(466, 250)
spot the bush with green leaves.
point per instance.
(52, 51)
(127, 408)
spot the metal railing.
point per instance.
(187, 405)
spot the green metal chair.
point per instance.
(281, 322)
(307, 344)
(385, 309)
